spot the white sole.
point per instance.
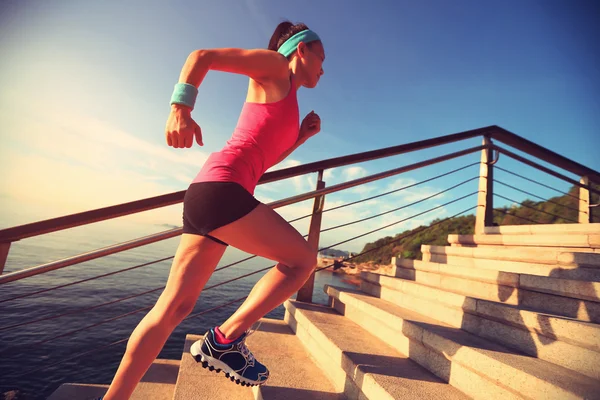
(218, 366)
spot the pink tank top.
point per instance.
(263, 133)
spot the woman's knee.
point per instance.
(306, 263)
(176, 308)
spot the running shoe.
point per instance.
(234, 359)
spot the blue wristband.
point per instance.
(185, 94)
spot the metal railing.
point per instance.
(484, 206)
(8, 236)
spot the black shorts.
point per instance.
(211, 205)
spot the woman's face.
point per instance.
(312, 62)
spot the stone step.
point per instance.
(504, 291)
(549, 256)
(360, 364)
(158, 383)
(575, 241)
(579, 333)
(293, 374)
(576, 289)
(554, 271)
(571, 344)
(543, 229)
(494, 371)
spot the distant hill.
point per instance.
(333, 253)
(539, 212)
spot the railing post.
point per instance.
(585, 212)
(306, 291)
(485, 197)
(4, 248)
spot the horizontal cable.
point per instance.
(216, 285)
(222, 283)
(524, 205)
(77, 311)
(130, 313)
(400, 238)
(515, 215)
(233, 279)
(531, 180)
(541, 198)
(227, 266)
(69, 333)
(109, 274)
(399, 208)
(232, 264)
(81, 310)
(390, 192)
(83, 280)
(95, 350)
(397, 222)
(13, 276)
(239, 277)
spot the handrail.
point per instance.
(105, 213)
(55, 224)
(533, 149)
(544, 169)
(373, 154)
(87, 217)
(493, 131)
(36, 270)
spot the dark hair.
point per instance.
(283, 32)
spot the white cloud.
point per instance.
(414, 193)
(79, 163)
(329, 174)
(355, 172)
(363, 189)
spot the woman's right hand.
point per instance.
(181, 128)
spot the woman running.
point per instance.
(219, 208)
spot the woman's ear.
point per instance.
(301, 49)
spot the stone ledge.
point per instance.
(543, 229)
(568, 241)
(577, 289)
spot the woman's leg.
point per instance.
(265, 233)
(194, 263)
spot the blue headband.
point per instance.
(290, 45)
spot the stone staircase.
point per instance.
(513, 313)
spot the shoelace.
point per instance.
(245, 351)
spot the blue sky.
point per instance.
(86, 87)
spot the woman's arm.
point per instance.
(258, 64)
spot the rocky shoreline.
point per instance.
(353, 270)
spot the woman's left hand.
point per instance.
(311, 125)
